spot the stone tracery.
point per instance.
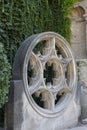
(61, 67)
(44, 73)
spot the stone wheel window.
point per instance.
(48, 73)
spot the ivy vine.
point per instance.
(21, 18)
(4, 75)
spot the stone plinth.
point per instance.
(21, 116)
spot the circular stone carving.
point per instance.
(45, 64)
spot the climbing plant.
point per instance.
(21, 18)
(4, 75)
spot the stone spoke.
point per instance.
(65, 62)
(52, 41)
(59, 87)
(53, 51)
(64, 89)
(34, 88)
(49, 86)
(40, 85)
(47, 48)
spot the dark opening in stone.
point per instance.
(49, 74)
(39, 47)
(38, 100)
(58, 97)
(29, 73)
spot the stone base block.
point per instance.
(23, 117)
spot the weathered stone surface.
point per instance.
(14, 112)
(54, 114)
(82, 74)
(79, 30)
(26, 118)
(83, 127)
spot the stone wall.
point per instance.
(79, 47)
(79, 30)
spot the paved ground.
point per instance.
(1, 128)
(82, 127)
(79, 128)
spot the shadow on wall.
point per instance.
(1, 118)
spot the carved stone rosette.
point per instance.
(45, 64)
